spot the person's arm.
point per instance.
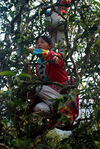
(43, 53)
(29, 70)
(27, 51)
(47, 55)
(55, 58)
(30, 49)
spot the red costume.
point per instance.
(51, 68)
(54, 67)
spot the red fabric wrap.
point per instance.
(64, 9)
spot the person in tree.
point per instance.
(50, 67)
(56, 27)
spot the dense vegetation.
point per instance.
(20, 23)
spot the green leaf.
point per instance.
(97, 143)
(98, 43)
(20, 49)
(82, 85)
(25, 75)
(83, 25)
(72, 18)
(98, 115)
(7, 73)
(97, 3)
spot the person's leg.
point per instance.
(34, 100)
(47, 93)
(42, 107)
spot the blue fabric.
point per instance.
(40, 61)
(42, 71)
(37, 51)
(48, 12)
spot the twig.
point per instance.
(3, 145)
(87, 52)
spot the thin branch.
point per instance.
(87, 52)
(52, 6)
(3, 145)
(73, 126)
(18, 15)
(76, 71)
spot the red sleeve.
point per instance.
(55, 58)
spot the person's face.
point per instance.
(42, 44)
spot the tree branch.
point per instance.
(3, 145)
(87, 52)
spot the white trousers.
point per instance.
(47, 94)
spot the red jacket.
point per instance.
(54, 68)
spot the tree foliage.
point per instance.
(20, 23)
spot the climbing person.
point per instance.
(56, 26)
(51, 68)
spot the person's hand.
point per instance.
(30, 49)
